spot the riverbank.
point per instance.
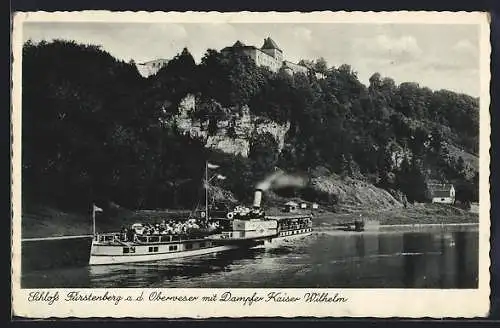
(42, 222)
(420, 214)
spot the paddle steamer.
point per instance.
(241, 228)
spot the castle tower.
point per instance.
(271, 48)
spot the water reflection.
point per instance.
(150, 274)
(441, 259)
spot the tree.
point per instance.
(232, 78)
(411, 180)
(321, 66)
(91, 130)
(346, 168)
(93, 127)
(400, 126)
(275, 98)
(375, 82)
(420, 191)
(460, 168)
(419, 140)
(307, 63)
(464, 192)
(264, 154)
(70, 94)
(385, 167)
(475, 187)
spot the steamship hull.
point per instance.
(102, 254)
(109, 249)
(288, 236)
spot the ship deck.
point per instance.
(288, 217)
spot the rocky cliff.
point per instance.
(243, 126)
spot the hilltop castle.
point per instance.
(269, 55)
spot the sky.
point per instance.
(438, 56)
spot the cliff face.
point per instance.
(245, 125)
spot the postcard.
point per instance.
(252, 164)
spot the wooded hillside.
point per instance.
(95, 130)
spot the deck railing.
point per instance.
(149, 239)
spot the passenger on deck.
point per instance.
(129, 235)
(172, 227)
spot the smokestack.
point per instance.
(257, 198)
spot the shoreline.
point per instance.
(417, 225)
(52, 223)
(382, 228)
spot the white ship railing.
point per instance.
(145, 239)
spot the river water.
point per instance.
(394, 259)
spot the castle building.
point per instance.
(292, 68)
(269, 55)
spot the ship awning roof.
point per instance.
(291, 217)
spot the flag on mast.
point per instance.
(221, 177)
(212, 166)
(97, 209)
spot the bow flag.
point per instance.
(97, 209)
(212, 166)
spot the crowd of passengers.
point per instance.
(170, 227)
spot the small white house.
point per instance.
(442, 193)
(315, 206)
(303, 205)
